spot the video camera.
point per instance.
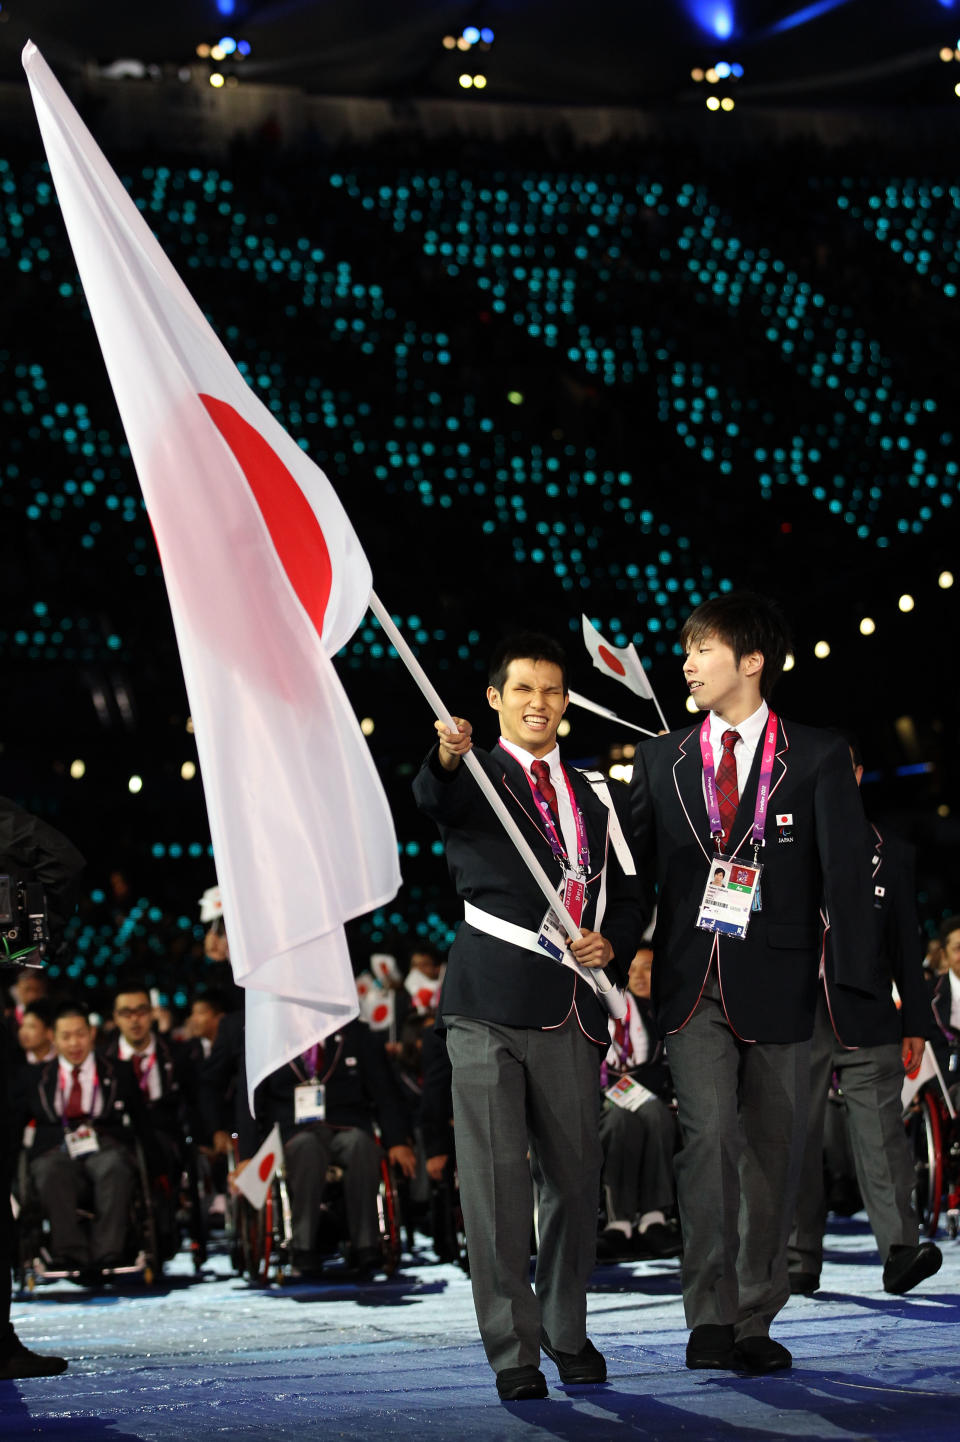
(24, 927)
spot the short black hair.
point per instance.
(131, 986)
(214, 997)
(525, 646)
(42, 1010)
(947, 929)
(745, 622)
(71, 1008)
(423, 948)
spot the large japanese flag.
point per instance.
(266, 581)
(622, 663)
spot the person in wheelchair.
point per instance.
(638, 1132)
(160, 1067)
(81, 1149)
(945, 1003)
(326, 1103)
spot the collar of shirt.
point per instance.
(88, 1071)
(750, 732)
(126, 1051)
(954, 999)
(568, 827)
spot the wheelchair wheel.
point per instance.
(388, 1216)
(925, 1131)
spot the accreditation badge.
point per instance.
(81, 1142)
(552, 936)
(309, 1102)
(730, 895)
(629, 1094)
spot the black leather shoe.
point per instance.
(587, 1365)
(906, 1266)
(521, 1384)
(614, 1245)
(660, 1239)
(18, 1361)
(804, 1284)
(710, 1347)
(761, 1354)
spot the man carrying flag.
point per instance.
(266, 581)
(525, 1032)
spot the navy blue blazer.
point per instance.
(874, 1021)
(494, 980)
(768, 980)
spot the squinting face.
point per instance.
(951, 952)
(33, 1035)
(133, 1014)
(714, 679)
(73, 1038)
(531, 705)
(638, 979)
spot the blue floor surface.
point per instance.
(198, 1359)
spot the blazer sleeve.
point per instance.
(848, 894)
(445, 796)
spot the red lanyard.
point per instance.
(553, 834)
(763, 786)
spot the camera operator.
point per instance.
(30, 851)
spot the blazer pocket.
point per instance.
(792, 936)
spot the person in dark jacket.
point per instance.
(638, 1132)
(869, 1043)
(82, 1114)
(326, 1103)
(30, 850)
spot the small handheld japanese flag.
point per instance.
(622, 663)
(254, 1181)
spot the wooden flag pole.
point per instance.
(397, 640)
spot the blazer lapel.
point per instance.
(513, 781)
(688, 779)
(594, 818)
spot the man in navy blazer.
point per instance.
(738, 1012)
(870, 1042)
(525, 1033)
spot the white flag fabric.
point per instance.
(254, 1181)
(927, 1071)
(266, 581)
(622, 663)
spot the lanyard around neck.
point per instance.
(554, 836)
(763, 786)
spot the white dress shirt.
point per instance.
(568, 826)
(954, 1000)
(749, 732)
(89, 1090)
(150, 1083)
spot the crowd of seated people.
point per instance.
(89, 1089)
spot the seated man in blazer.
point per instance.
(870, 1042)
(86, 1111)
(526, 1033)
(735, 967)
(349, 1086)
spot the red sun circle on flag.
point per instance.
(380, 1012)
(290, 519)
(266, 1166)
(609, 659)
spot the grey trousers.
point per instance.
(871, 1079)
(742, 1109)
(526, 1105)
(637, 1159)
(307, 1155)
(63, 1184)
